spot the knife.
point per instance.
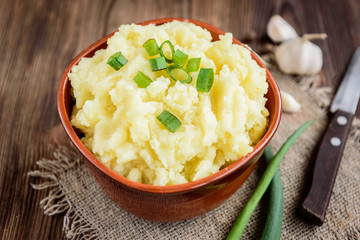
(332, 146)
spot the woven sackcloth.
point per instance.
(90, 214)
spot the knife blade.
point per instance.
(349, 90)
(332, 145)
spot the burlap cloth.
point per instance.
(90, 214)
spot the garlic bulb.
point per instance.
(279, 30)
(289, 102)
(300, 56)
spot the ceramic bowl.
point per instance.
(177, 202)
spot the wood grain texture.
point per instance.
(39, 38)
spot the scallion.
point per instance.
(245, 214)
(274, 219)
(142, 80)
(151, 47)
(180, 58)
(169, 121)
(193, 65)
(117, 61)
(158, 63)
(167, 42)
(205, 80)
(170, 68)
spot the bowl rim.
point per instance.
(184, 187)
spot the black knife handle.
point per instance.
(326, 166)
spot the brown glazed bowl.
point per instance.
(177, 202)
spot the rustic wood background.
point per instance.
(39, 38)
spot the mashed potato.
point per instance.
(119, 119)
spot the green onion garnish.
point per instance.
(117, 61)
(180, 58)
(205, 79)
(142, 80)
(158, 63)
(169, 121)
(181, 71)
(151, 47)
(193, 65)
(169, 60)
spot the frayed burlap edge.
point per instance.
(75, 225)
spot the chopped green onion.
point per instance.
(180, 58)
(117, 60)
(151, 47)
(169, 121)
(182, 71)
(193, 65)
(158, 63)
(205, 79)
(142, 80)
(169, 60)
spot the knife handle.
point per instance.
(326, 166)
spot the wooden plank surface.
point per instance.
(39, 38)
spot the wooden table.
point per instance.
(39, 38)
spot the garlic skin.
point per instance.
(300, 56)
(279, 30)
(289, 102)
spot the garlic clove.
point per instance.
(300, 56)
(279, 30)
(311, 59)
(289, 102)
